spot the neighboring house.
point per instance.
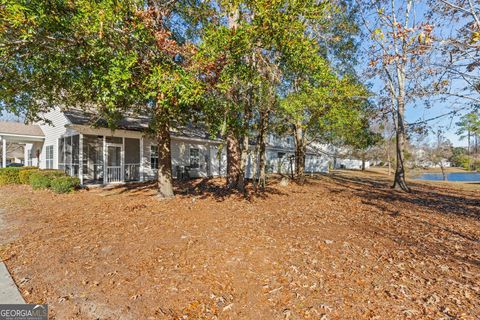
(351, 164)
(421, 159)
(98, 155)
(17, 140)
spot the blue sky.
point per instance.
(417, 113)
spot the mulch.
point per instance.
(336, 247)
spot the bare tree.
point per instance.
(439, 152)
(399, 51)
(459, 46)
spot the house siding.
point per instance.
(52, 133)
(209, 165)
(315, 163)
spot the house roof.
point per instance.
(131, 122)
(91, 118)
(17, 128)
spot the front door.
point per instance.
(114, 163)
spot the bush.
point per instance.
(9, 176)
(24, 175)
(42, 179)
(28, 168)
(464, 161)
(65, 184)
(475, 165)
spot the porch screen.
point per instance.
(68, 154)
(92, 159)
(132, 159)
(61, 153)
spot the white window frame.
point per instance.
(49, 156)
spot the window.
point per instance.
(49, 157)
(194, 158)
(154, 157)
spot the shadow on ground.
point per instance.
(429, 200)
(198, 188)
(442, 200)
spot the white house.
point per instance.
(98, 155)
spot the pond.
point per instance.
(453, 176)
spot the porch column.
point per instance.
(104, 160)
(25, 154)
(209, 161)
(122, 161)
(4, 152)
(80, 159)
(141, 159)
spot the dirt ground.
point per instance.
(343, 246)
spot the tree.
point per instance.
(266, 48)
(460, 158)
(400, 44)
(116, 57)
(469, 127)
(364, 141)
(320, 94)
(232, 39)
(385, 146)
(439, 152)
(323, 109)
(229, 64)
(459, 59)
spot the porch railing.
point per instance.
(114, 174)
(93, 173)
(132, 171)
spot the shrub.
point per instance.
(42, 179)
(24, 175)
(64, 184)
(464, 161)
(28, 168)
(9, 176)
(475, 165)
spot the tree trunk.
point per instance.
(299, 152)
(476, 143)
(468, 145)
(164, 179)
(262, 149)
(233, 161)
(363, 162)
(243, 162)
(389, 161)
(400, 180)
(245, 143)
(234, 154)
(443, 171)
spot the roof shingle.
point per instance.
(140, 123)
(17, 128)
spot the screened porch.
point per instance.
(100, 159)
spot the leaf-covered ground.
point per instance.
(339, 247)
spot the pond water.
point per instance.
(453, 176)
